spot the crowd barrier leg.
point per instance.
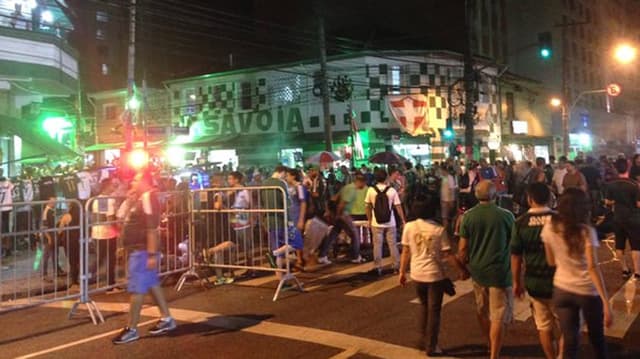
(91, 306)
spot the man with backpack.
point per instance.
(380, 200)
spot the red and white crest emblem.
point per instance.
(411, 112)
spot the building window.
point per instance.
(395, 80)
(511, 109)
(105, 69)
(245, 95)
(102, 16)
(100, 34)
(103, 51)
(110, 112)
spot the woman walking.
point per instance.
(571, 245)
(425, 244)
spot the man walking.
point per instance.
(624, 196)
(141, 238)
(527, 251)
(380, 200)
(484, 245)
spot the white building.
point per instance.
(274, 114)
(36, 65)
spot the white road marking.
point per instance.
(463, 287)
(346, 354)
(360, 268)
(78, 342)
(338, 340)
(375, 288)
(626, 307)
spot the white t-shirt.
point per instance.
(571, 273)
(558, 178)
(427, 241)
(102, 208)
(447, 188)
(394, 200)
(84, 185)
(6, 195)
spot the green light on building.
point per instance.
(56, 126)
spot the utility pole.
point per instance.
(469, 79)
(326, 110)
(129, 113)
(566, 115)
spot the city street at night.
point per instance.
(321, 179)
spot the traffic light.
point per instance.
(448, 132)
(137, 159)
(545, 48)
(133, 103)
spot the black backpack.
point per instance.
(381, 208)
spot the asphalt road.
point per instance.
(345, 313)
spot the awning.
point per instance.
(35, 143)
(210, 141)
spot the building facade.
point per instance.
(37, 65)
(274, 114)
(584, 33)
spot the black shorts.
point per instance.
(627, 230)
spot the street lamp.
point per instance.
(557, 102)
(624, 53)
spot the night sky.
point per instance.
(185, 38)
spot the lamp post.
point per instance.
(565, 116)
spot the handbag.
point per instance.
(448, 287)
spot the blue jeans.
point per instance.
(568, 307)
(378, 236)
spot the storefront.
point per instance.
(525, 148)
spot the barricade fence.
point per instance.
(239, 231)
(67, 250)
(44, 261)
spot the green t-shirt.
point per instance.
(526, 242)
(274, 199)
(359, 207)
(348, 196)
(487, 228)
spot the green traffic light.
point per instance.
(545, 53)
(133, 104)
(448, 134)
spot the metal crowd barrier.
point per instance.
(106, 256)
(46, 262)
(240, 231)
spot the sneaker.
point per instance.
(127, 335)
(224, 280)
(271, 259)
(626, 274)
(324, 260)
(358, 260)
(163, 326)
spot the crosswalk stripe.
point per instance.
(375, 288)
(626, 307)
(463, 287)
(346, 342)
(360, 268)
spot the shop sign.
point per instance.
(280, 120)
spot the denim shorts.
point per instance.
(141, 279)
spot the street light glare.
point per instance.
(625, 53)
(555, 102)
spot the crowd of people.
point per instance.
(512, 227)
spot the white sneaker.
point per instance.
(324, 260)
(358, 260)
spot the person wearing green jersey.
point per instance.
(528, 256)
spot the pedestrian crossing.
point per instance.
(625, 303)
